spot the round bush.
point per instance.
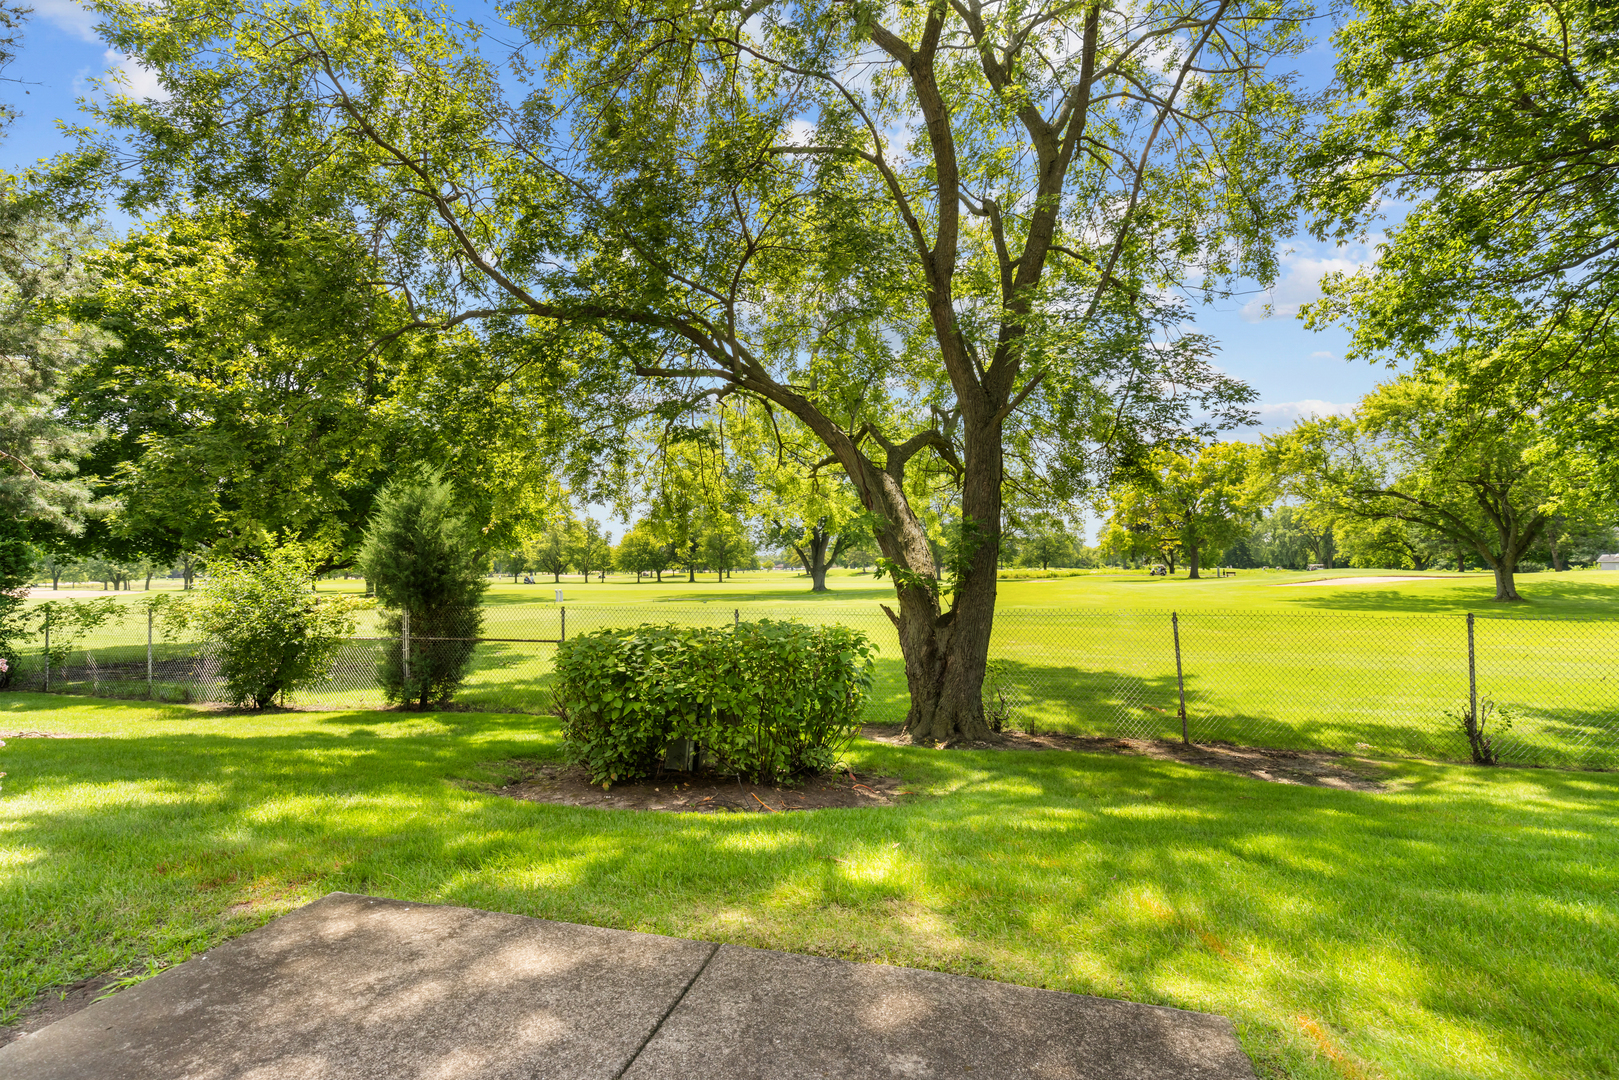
(767, 699)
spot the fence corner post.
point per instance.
(47, 654)
(1180, 678)
(149, 687)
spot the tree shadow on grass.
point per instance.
(1544, 597)
(1339, 714)
(1129, 878)
(1107, 702)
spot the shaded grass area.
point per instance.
(1281, 678)
(1464, 924)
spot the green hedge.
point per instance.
(767, 699)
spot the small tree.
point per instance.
(642, 552)
(819, 543)
(272, 633)
(57, 565)
(425, 561)
(725, 543)
(512, 562)
(1046, 541)
(1186, 503)
(590, 548)
(65, 623)
(551, 552)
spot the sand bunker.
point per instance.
(1363, 580)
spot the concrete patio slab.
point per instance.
(353, 987)
(357, 987)
(782, 1016)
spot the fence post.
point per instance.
(148, 653)
(1472, 671)
(736, 618)
(47, 654)
(1180, 679)
(404, 641)
(563, 634)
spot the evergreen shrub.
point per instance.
(768, 700)
(426, 562)
(16, 574)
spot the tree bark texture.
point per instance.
(945, 651)
(1506, 589)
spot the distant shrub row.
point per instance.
(767, 699)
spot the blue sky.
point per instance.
(1295, 371)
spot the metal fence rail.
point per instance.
(1335, 681)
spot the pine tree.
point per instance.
(424, 558)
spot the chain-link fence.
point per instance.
(1384, 683)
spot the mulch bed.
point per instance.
(1309, 768)
(694, 793)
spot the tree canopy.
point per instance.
(1499, 124)
(1418, 452)
(42, 272)
(1185, 504)
(932, 234)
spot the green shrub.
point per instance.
(767, 699)
(426, 563)
(1483, 728)
(271, 633)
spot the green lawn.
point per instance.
(1266, 660)
(1463, 924)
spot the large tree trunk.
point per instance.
(1505, 588)
(1193, 553)
(1516, 532)
(945, 652)
(813, 556)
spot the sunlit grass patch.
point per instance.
(1463, 924)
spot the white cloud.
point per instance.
(1300, 280)
(67, 16)
(135, 78)
(1286, 412)
(1320, 355)
(123, 75)
(798, 131)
